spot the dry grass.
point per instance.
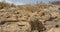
(34, 7)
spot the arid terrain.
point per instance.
(29, 18)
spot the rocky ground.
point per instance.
(44, 20)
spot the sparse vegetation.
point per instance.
(17, 18)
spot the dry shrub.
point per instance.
(6, 5)
(55, 2)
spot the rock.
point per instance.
(10, 28)
(23, 25)
(54, 30)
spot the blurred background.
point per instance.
(23, 2)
